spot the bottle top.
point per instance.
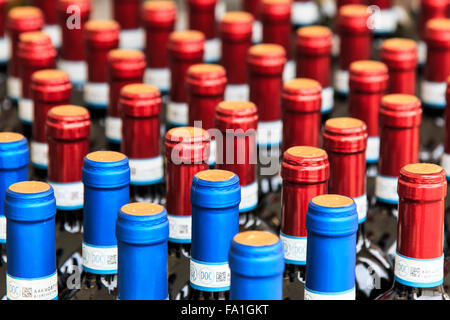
(353, 18)
(345, 135)
(399, 53)
(26, 18)
(368, 75)
(206, 79)
(215, 189)
(14, 152)
(303, 95)
(105, 156)
(159, 13)
(306, 165)
(30, 201)
(201, 4)
(314, 38)
(236, 25)
(140, 100)
(34, 47)
(275, 9)
(256, 238)
(186, 42)
(437, 32)
(270, 56)
(401, 111)
(187, 145)
(126, 63)
(236, 115)
(422, 182)
(142, 223)
(68, 122)
(51, 85)
(101, 31)
(83, 5)
(332, 215)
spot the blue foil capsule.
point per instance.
(257, 266)
(106, 178)
(30, 209)
(215, 198)
(14, 158)
(142, 235)
(332, 223)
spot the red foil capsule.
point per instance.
(72, 15)
(355, 42)
(345, 140)
(51, 19)
(314, 60)
(202, 17)
(68, 129)
(445, 161)
(276, 21)
(49, 88)
(252, 6)
(400, 119)
(301, 102)
(430, 9)
(127, 14)
(187, 152)
(236, 36)
(140, 106)
(236, 152)
(19, 20)
(400, 55)
(100, 36)
(158, 18)
(305, 172)
(422, 189)
(185, 49)
(341, 3)
(35, 52)
(265, 63)
(437, 67)
(124, 67)
(368, 84)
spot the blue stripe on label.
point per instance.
(409, 258)
(201, 288)
(95, 271)
(97, 246)
(362, 220)
(418, 284)
(296, 262)
(40, 278)
(93, 105)
(40, 166)
(433, 105)
(2, 240)
(179, 240)
(113, 140)
(387, 201)
(69, 208)
(243, 210)
(292, 237)
(206, 263)
(26, 121)
(371, 161)
(331, 293)
(176, 124)
(269, 144)
(146, 183)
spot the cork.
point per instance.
(69, 111)
(6, 137)
(332, 201)
(344, 123)
(105, 156)
(142, 209)
(215, 175)
(423, 168)
(29, 187)
(256, 238)
(305, 151)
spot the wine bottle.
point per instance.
(187, 152)
(202, 17)
(305, 172)
(30, 210)
(185, 48)
(49, 88)
(127, 14)
(384, 18)
(72, 16)
(140, 105)
(400, 56)
(433, 86)
(314, 60)
(51, 26)
(158, 18)
(125, 66)
(205, 85)
(301, 105)
(142, 233)
(14, 168)
(304, 13)
(429, 9)
(256, 265)
(276, 22)
(215, 197)
(100, 37)
(236, 38)
(236, 152)
(400, 119)
(19, 20)
(332, 223)
(354, 42)
(265, 63)
(368, 84)
(445, 160)
(106, 176)
(35, 52)
(4, 40)
(68, 129)
(419, 259)
(253, 6)
(345, 140)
